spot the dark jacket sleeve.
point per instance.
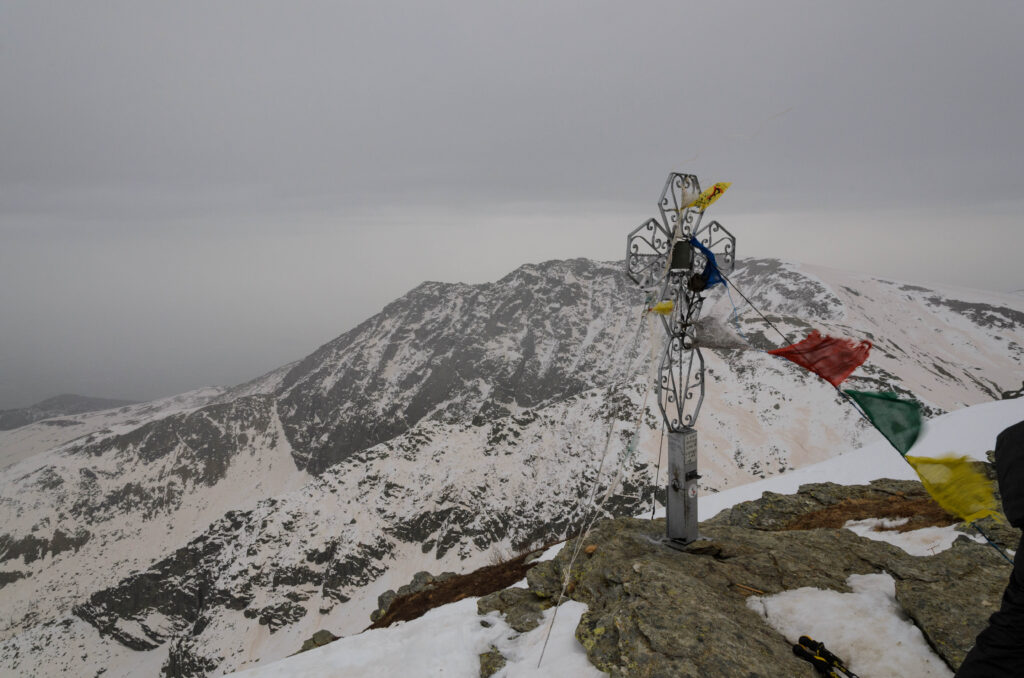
(1010, 472)
(999, 650)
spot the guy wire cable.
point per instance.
(588, 522)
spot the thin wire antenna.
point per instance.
(584, 528)
(588, 520)
(756, 309)
(657, 471)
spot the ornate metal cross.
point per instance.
(673, 260)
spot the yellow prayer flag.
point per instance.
(709, 196)
(956, 486)
(662, 307)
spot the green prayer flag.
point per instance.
(898, 420)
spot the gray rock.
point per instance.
(1001, 533)
(656, 611)
(31, 547)
(523, 609)
(952, 596)
(421, 581)
(384, 601)
(277, 616)
(11, 576)
(186, 660)
(491, 662)
(318, 639)
(776, 511)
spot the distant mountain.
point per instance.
(224, 528)
(58, 406)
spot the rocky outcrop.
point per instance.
(522, 608)
(951, 595)
(176, 598)
(186, 659)
(277, 615)
(31, 548)
(491, 662)
(10, 577)
(658, 611)
(318, 639)
(421, 581)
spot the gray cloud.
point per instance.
(196, 192)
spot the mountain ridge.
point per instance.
(64, 404)
(437, 420)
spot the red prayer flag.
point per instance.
(831, 358)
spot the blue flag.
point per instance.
(711, 269)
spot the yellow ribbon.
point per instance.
(709, 196)
(662, 307)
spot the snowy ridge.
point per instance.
(41, 436)
(268, 384)
(460, 420)
(948, 348)
(62, 405)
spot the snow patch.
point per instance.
(924, 542)
(867, 628)
(447, 641)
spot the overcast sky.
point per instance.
(193, 193)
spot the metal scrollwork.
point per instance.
(681, 383)
(680, 190)
(648, 249)
(719, 240)
(690, 223)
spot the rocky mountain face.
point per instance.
(58, 406)
(199, 537)
(454, 353)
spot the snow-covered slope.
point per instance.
(449, 639)
(458, 421)
(111, 503)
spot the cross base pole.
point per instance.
(681, 508)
